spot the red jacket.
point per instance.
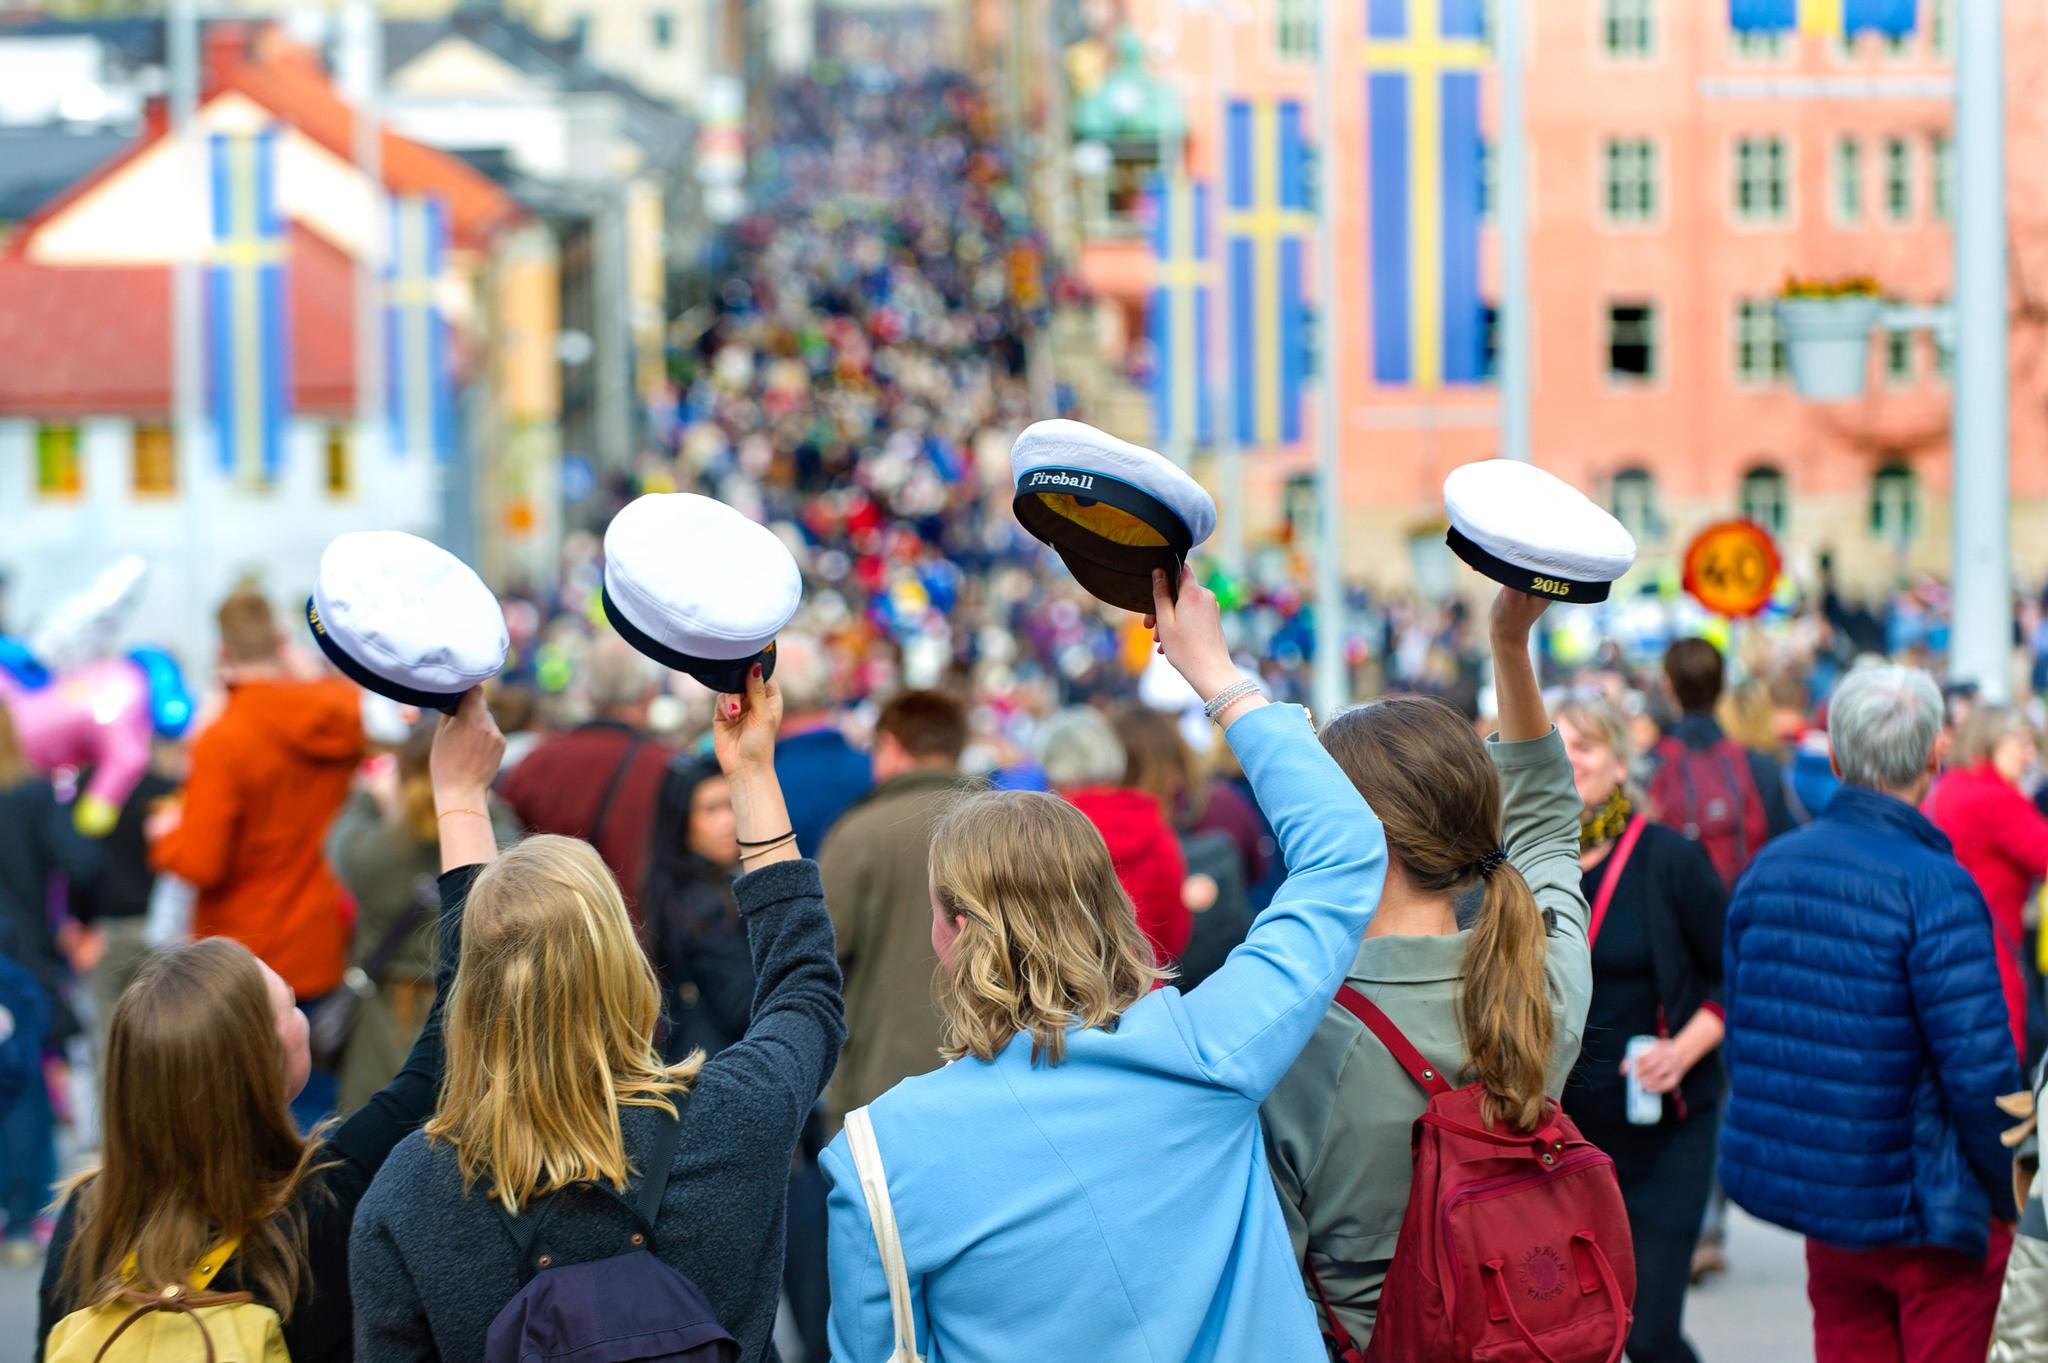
(560, 787)
(267, 779)
(2002, 841)
(1148, 862)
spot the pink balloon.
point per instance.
(97, 715)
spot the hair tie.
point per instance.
(1492, 861)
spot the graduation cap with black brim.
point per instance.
(406, 619)
(1532, 531)
(1111, 510)
(698, 587)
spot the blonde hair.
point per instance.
(1601, 720)
(1987, 726)
(550, 1027)
(14, 767)
(1048, 940)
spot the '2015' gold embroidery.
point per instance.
(1550, 586)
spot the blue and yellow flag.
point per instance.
(1423, 59)
(1893, 18)
(419, 366)
(1177, 317)
(1266, 226)
(247, 335)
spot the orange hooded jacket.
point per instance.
(267, 779)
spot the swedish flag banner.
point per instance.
(1177, 316)
(1894, 18)
(419, 366)
(1266, 226)
(247, 334)
(1423, 59)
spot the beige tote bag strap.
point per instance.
(874, 1184)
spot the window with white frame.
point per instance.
(1631, 342)
(1847, 176)
(1763, 498)
(1894, 504)
(1630, 179)
(1759, 349)
(1899, 366)
(1633, 500)
(1941, 29)
(1941, 152)
(1898, 179)
(1758, 45)
(1628, 28)
(1762, 193)
(1295, 28)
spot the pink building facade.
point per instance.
(1678, 175)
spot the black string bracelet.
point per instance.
(766, 842)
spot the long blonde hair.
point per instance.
(197, 1139)
(1427, 776)
(1048, 940)
(550, 1027)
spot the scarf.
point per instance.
(1604, 824)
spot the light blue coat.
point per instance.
(1118, 1207)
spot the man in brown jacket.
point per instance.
(874, 863)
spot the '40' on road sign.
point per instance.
(1731, 568)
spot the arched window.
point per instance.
(1763, 497)
(1894, 504)
(1633, 500)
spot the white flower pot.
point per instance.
(1827, 341)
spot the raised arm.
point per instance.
(1246, 1023)
(1516, 694)
(798, 1024)
(467, 750)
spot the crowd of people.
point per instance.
(908, 1003)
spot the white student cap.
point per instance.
(1533, 531)
(403, 617)
(698, 587)
(1113, 511)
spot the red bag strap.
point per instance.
(1382, 1026)
(1617, 861)
(1339, 1337)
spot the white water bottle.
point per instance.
(1644, 1107)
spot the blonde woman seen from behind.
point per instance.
(1086, 1179)
(1480, 962)
(199, 1151)
(554, 1081)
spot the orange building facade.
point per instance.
(1678, 175)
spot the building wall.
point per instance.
(1695, 428)
(199, 542)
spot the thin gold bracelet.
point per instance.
(460, 809)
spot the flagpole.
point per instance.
(363, 40)
(1511, 184)
(1331, 691)
(1223, 430)
(188, 333)
(1982, 647)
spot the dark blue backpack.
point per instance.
(630, 1308)
(24, 1023)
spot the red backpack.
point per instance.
(1709, 795)
(1514, 1249)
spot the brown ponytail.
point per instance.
(1428, 778)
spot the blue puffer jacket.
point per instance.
(1867, 1036)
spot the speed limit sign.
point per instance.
(1731, 568)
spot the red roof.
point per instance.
(95, 341)
(290, 82)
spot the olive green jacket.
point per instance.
(1337, 1127)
